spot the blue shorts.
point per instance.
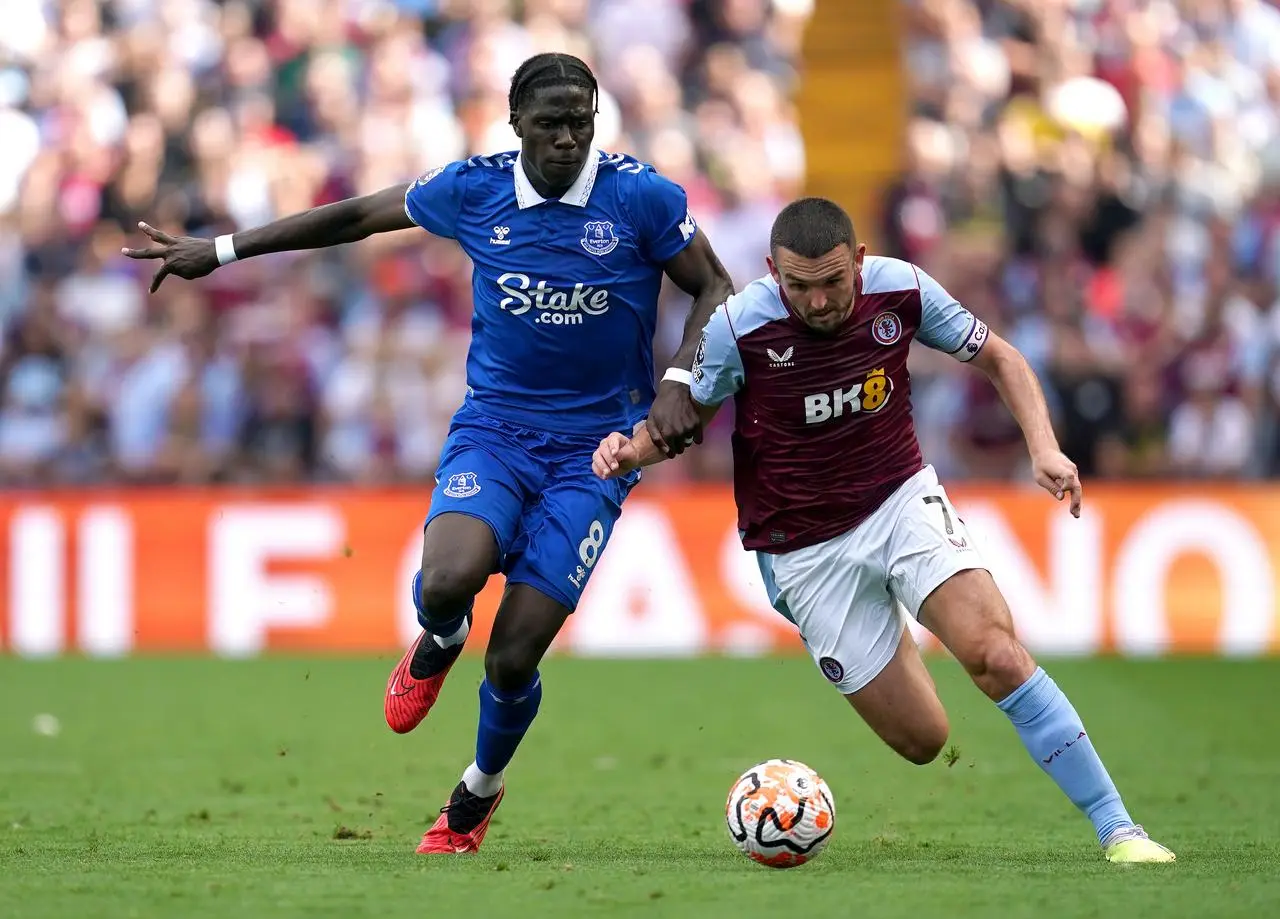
(550, 514)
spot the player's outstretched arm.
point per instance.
(1016, 382)
(674, 422)
(191, 257)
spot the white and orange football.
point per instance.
(780, 813)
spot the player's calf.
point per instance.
(902, 706)
(510, 696)
(511, 662)
(458, 555)
(970, 617)
(415, 683)
(920, 743)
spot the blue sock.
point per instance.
(1054, 736)
(447, 627)
(504, 719)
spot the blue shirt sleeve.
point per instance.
(717, 365)
(435, 200)
(945, 325)
(660, 209)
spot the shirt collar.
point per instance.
(578, 194)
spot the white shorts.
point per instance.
(843, 594)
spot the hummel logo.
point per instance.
(780, 360)
(499, 237)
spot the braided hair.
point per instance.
(551, 69)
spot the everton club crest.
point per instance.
(598, 238)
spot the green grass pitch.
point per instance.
(202, 788)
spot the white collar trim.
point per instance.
(578, 194)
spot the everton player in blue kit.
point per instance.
(569, 245)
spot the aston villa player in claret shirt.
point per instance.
(848, 523)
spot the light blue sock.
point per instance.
(1054, 736)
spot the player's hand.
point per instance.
(186, 257)
(615, 456)
(674, 422)
(1058, 475)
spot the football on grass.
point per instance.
(780, 813)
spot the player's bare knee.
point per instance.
(510, 669)
(448, 589)
(458, 556)
(1001, 665)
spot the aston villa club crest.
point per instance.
(886, 328)
(598, 238)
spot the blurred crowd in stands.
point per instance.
(1100, 179)
(208, 116)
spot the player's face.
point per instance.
(555, 128)
(820, 290)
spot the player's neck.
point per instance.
(543, 187)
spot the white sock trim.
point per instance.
(457, 638)
(481, 783)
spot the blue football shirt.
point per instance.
(565, 290)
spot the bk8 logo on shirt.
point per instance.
(871, 395)
(556, 306)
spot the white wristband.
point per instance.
(225, 249)
(676, 375)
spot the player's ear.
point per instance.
(773, 268)
(514, 121)
(858, 255)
